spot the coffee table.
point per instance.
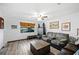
(40, 47)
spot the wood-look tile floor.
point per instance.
(21, 47)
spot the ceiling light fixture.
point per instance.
(40, 16)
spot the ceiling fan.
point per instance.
(42, 17)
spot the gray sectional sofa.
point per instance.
(62, 42)
(57, 40)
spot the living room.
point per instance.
(51, 29)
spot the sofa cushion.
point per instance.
(72, 39)
(62, 40)
(56, 42)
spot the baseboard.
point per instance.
(16, 40)
(4, 45)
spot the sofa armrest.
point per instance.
(71, 47)
(66, 52)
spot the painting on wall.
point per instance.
(54, 25)
(77, 31)
(66, 26)
(13, 26)
(26, 27)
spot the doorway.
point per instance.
(44, 29)
(1, 23)
(41, 28)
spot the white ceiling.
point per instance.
(28, 9)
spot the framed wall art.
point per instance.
(54, 25)
(26, 27)
(13, 26)
(66, 26)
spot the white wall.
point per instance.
(1, 38)
(14, 34)
(73, 18)
(1, 34)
